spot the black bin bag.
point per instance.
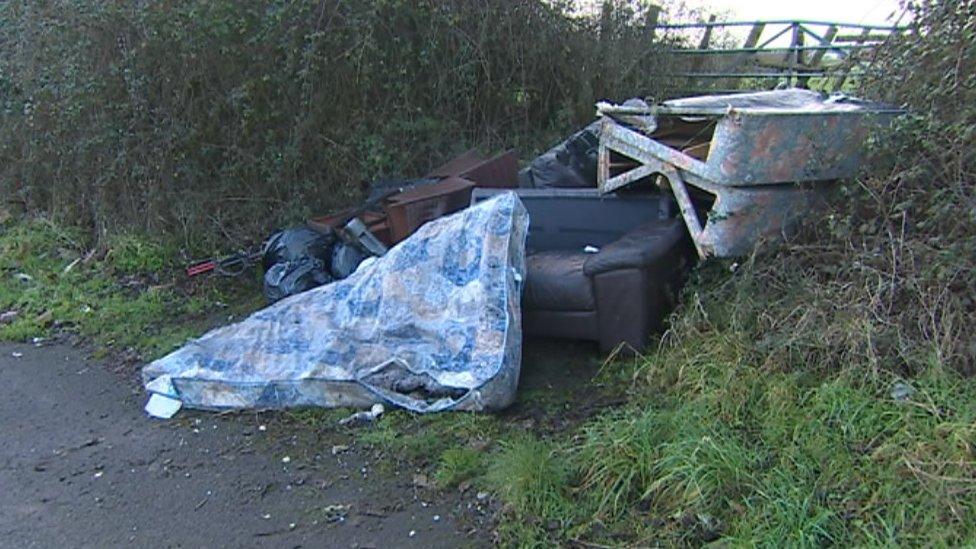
(295, 260)
(571, 163)
(294, 277)
(296, 243)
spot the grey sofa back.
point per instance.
(569, 219)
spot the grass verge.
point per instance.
(718, 437)
(129, 297)
(719, 444)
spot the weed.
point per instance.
(424, 439)
(384, 432)
(458, 464)
(134, 254)
(814, 461)
(21, 330)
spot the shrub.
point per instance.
(210, 120)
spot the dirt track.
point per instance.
(82, 466)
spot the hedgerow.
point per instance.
(212, 120)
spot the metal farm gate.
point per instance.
(761, 55)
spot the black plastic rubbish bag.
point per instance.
(571, 163)
(296, 260)
(294, 277)
(297, 243)
(345, 259)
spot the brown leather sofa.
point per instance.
(601, 268)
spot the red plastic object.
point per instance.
(200, 268)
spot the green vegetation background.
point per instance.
(819, 394)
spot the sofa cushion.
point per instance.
(647, 245)
(555, 282)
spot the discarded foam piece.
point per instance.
(163, 407)
(435, 324)
(363, 417)
(163, 403)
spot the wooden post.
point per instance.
(817, 57)
(703, 45)
(707, 37)
(754, 35)
(790, 57)
(651, 19)
(738, 62)
(798, 58)
(826, 40)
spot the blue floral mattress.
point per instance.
(433, 325)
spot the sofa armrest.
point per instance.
(641, 247)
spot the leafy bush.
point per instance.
(212, 119)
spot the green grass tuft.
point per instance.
(320, 418)
(533, 479)
(458, 464)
